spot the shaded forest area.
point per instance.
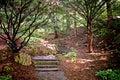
(84, 35)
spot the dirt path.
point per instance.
(86, 64)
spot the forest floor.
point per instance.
(84, 67)
(86, 64)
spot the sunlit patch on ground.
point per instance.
(104, 58)
(95, 53)
(81, 61)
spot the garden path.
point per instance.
(47, 68)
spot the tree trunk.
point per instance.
(55, 25)
(1, 67)
(109, 12)
(55, 33)
(75, 25)
(90, 38)
(10, 30)
(67, 22)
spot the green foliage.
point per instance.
(117, 39)
(39, 32)
(8, 77)
(102, 32)
(8, 69)
(116, 8)
(32, 49)
(3, 57)
(23, 59)
(35, 39)
(61, 57)
(71, 55)
(31, 14)
(109, 74)
(47, 52)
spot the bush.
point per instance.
(32, 49)
(7, 69)
(102, 32)
(71, 55)
(8, 77)
(3, 57)
(23, 59)
(109, 74)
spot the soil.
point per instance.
(86, 64)
(17, 71)
(83, 68)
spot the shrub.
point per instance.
(32, 49)
(3, 57)
(23, 59)
(8, 77)
(71, 55)
(109, 74)
(102, 32)
(8, 69)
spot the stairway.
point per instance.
(46, 63)
(47, 67)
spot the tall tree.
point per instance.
(75, 24)
(109, 4)
(53, 17)
(55, 25)
(22, 18)
(90, 10)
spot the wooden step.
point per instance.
(47, 69)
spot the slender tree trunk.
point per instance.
(109, 12)
(67, 22)
(90, 38)
(10, 30)
(55, 33)
(75, 25)
(55, 26)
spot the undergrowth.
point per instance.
(109, 74)
(8, 77)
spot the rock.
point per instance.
(47, 48)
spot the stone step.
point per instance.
(46, 66)
(52, 75)
(46, 62)
(47, 69)
(45, 58)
